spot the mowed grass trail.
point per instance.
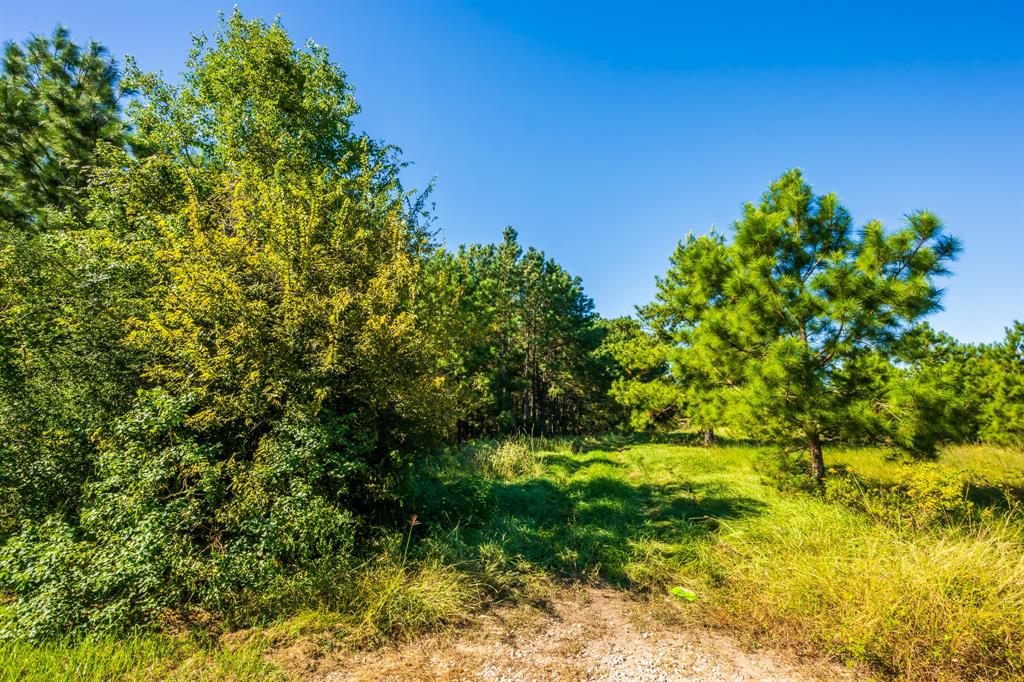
(818, 574)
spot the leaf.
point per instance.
(683, 593)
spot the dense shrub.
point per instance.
(281, 377)
(447, 492)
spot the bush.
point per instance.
(280, 377)
(448, 492)
(170, 522)
(923, 496)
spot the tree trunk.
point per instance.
(709, 435)
(817, 461)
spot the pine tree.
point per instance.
(691, 287)
(58, 103)
(779, 317)
(1003, 413)
(526, 339)
(62, 368)
(643, 386)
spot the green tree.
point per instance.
(691, 287)
(63, 371)
(780, 316)
(959, 373)
(643, 384)
(1003, 413)
(270, 272)
(58, 103)
(526, 340)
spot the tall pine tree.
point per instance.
(778, 318)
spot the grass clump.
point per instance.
(915, 605)
(395, 599)
(508, 459)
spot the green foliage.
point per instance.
(448, 491)
(508, 459)
(926, 498)
(138, 658)
(63, 371)
(688, 292)
(912, 605)
(976, 391)
(223, 348)
(644, 386)
(263, 273)
(921, 600)
(58, 103)
(772, 328)
(1003, 411)
(523, 341)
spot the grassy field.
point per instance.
(916, 570)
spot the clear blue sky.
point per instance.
(605, 133)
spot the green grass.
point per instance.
(980, 462)
(145, 657)
(942, 599)
(390, 597)
(788, 569)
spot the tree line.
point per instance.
(227, 329)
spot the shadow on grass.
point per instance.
(998, 497)
(571, 465)
(605, 527)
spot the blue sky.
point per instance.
(604, 133)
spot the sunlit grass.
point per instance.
(784, 569)
(142, 657)
(993, 464)
(947, 602)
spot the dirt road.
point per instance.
(585, 634)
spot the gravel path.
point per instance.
(588, 634)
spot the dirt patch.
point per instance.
(586, 634)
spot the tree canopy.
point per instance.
(781, 316)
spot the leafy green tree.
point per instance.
(780, 316)
(269, 271)
(63, 371)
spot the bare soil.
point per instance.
(583, 634)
